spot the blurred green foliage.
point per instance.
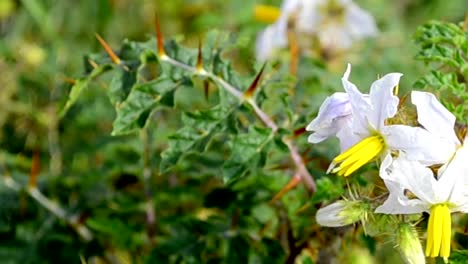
(163, 166)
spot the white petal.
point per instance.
(346, 136)
(330, 215)
(418, 144)
(275, 36)
(453, 180)
(433, 116)
(397, 203)
(417, 178)
(384, 102)
(335, 36)
(359, 22)
(333, 113)
(288, 10)
(268, 41)
(309, 17)
(360, 106)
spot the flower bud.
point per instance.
(409, 245)
(342, 213)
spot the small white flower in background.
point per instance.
(366, 131)
(439, 196)
(342, 213)
(335, 23)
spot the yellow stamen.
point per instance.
(353, 149)
(266, 13)
(439, 232)
(358, 155)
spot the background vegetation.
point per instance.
(192, 177)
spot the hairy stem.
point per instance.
(52, 206)
(147, 172)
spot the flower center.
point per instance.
(333, 10)
(358, 155)
(266, 13)
(439, 232)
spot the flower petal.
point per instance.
(433, 116)
(384, 102)
(418, 144)
(398, 203)
(275, 36)
(346, 136)
(453, 180)
(414, 177)
(359, 22)
(332, 115)
(309, 18)
(330, 215)
(335, 37)
(359, 105)
(268, 41)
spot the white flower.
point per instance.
(334, 119)
(436, 119)
(439, 196)
(366, 126)
(276, 36)
(336, 24)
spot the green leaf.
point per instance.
(80, 85)
(118, 230)
(459, 257)
(122, 83)
(133, 113)
(238, 251)
(327, 190)
(247, 151)
(198, 128)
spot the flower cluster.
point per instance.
(423, 167)
(335, 24)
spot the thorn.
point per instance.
(200, 57)
(93, 63)
(299, 131)
(303, 208)
(108, 49)
(206, 89)
(255, 83)
(159, 37)
(296, 179)
(34, 170)
(69, 80)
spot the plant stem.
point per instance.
(52, 206)
(264, 117)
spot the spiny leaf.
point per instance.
(142, 100)
(247, 151)
(198, 128)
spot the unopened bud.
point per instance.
(342, 213)
(409, 245)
